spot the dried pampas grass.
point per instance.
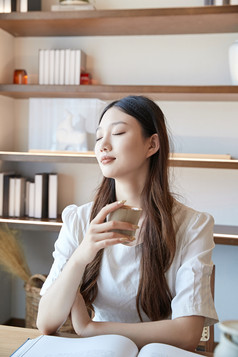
(12, 257)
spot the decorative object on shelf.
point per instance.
(58, 66)
(20, 76)
(63, 124)
(228, 345)
(12, 257)
(233, 62)
(73, 5)
(85, 78)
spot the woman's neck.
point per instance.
(131, 192)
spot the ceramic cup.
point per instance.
(228, 345)
(126, 214)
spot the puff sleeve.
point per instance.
(192, 291)
(75, 222)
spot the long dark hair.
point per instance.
(158, 248)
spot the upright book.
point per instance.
(97, 346)
(41, 195)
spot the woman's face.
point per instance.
(121, 149)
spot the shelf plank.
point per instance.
(225, 235)
(25, 223)
(193, 20)
(113, 92)
(89, 157)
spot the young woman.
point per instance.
(154, 287)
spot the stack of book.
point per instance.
(57, 66)
(21, 197)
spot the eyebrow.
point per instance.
(113, 124)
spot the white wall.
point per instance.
(203, 127)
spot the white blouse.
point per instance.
(188, 276)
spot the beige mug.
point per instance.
(126, 214)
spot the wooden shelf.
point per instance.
(112, 92)
(226, 235)
(26, 223)
(193, 20)
(89, 157)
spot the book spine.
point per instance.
(41, 195)
(1, 6)
(51, 66)
(11, 204)
(41, 66)
(19, 204)
(67, 67)
(27, 190)
(71, 67)
(31, 212)
(56, 67)
(46, 66)
(77, 69)
(7, 6)
(61, 67)
(23, 5)
(53, 196)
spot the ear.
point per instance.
(153, 145)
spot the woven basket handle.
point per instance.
(36, 277)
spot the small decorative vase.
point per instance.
(228, 345)
(233, 62)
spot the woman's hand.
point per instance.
(100, 235)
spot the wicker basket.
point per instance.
(32, 289)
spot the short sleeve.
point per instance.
(75, 221)
(192, 284)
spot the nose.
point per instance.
(105, 145)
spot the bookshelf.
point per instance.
(112, 92)
(89, 157)
(226, 235)
(165, 21)
(193, 20)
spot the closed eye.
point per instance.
(123, 132)
(97, 139)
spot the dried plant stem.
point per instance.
(12, 258)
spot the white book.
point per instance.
(23, 5)
(41, 66)
(27, 190)
(1, 6)
(41, 195)
(7, 6)
(96, 346)
(11, 204)
(67, 67)
(53, 196)
(61, 67)
(46, 66)
(57, 67)
(71, 66)
(77, 69)
(51, 66)
(19, 204)
(31, 201)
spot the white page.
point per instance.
(162, 350)
(98, 346)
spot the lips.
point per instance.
(107, 160)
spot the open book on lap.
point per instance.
(97, 346)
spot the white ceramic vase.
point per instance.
(233, 62)
(228, 346)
